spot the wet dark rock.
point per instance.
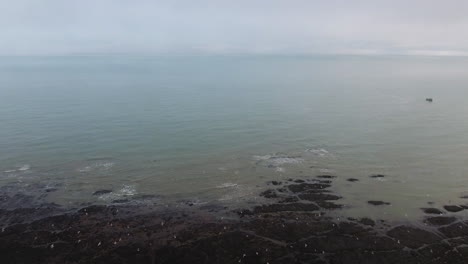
(376, 176)
(245, 212)
(269, 194)
(289, 199)
(303, 187)
(318, 196)
(352, 179)
(434, 250)
(432, 211)
(142, 197)
(455, 230)
(19, 200)
(367, 221)
(370, 256)
(413, 237)
(283, 231)
(324, 181)
(378, 203)
(25, 215)
(292, 207)
(101, 192)
(350, 228)
(276, 182)
(440, 220)
(227, 250)
(120, 201)
(213, 207)
(350, 237)
(94, 209)
(281, 190)
(326, 176)
(453, 208)
(328, 205)
(288, 232)
(463, 250)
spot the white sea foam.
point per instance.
(227, 185)
(286, 160)
(85, 169)
(260, 158)
(127, 190)
(236, 193)
(107, 165)
(24, 167)
(278, 160)
(97, 166)
(321, 152)
(279, 169)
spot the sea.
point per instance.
(204, 128)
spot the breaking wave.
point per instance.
(125, 191)
(227, 185)
(97, 166)
(24, 167)
(321, 152)
(277, 160)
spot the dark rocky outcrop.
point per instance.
(352, 179)
(413, 237)
(367, 221)
(378, 203)
(440, 220)
(453, 208)
(326, 176)
(269, 194)
(101, 192)
(432, 211)
(286, 229)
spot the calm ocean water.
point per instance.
(218, 127)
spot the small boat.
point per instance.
(429, 100)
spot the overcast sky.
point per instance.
(236, 26)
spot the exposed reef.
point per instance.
(297, 222)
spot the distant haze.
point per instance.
(428, 27)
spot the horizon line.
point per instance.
(418, 53)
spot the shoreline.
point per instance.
(300, 222)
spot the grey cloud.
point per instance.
(218, 26)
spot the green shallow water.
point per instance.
(218, 127)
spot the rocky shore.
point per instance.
(298, 223)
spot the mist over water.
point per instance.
(218, 127)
